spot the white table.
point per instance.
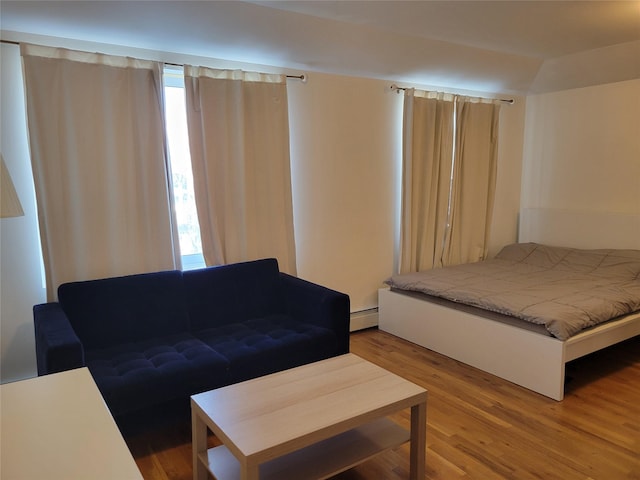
(57, 427)
(310, 422)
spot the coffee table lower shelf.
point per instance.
(318, 461)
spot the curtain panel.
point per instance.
(473, 181)
(239, 142)
(426, 172)
(448, 179)
(98, 151)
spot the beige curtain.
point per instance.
(426, 172)
(447, 192)
(96, 134)
(239, 142)
(474, 181)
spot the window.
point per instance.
(182, 176)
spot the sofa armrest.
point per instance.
(58, 348)
(320, 306)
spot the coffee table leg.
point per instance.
(199, 445)
(418, 441)
(250, 472)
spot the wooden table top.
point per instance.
(272, 415)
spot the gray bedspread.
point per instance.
(564, 289)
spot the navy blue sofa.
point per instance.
(152, 340)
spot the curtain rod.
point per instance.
(397, 89)
(302, 77)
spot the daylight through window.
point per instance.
(182, 176)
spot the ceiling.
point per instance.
(490, 46)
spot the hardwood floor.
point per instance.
(480, 426)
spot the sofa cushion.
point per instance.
(269, 344)
(117, 310)
(150, 372)
(233, 293)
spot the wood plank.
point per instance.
(342, 392)
(478, 425)
(321, 460)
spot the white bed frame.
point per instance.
(532, 360)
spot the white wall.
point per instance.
(582, 149)
(504, 226)
(345, 156)
(345, 152)
(21, 284)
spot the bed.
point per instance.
(521, 352)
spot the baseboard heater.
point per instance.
(364, 319)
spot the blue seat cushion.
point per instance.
(137, 375)
(269, 344)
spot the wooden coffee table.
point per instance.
(310, 422)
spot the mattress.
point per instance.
(566, 290)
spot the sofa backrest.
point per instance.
(231, 293)
(118, 310)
